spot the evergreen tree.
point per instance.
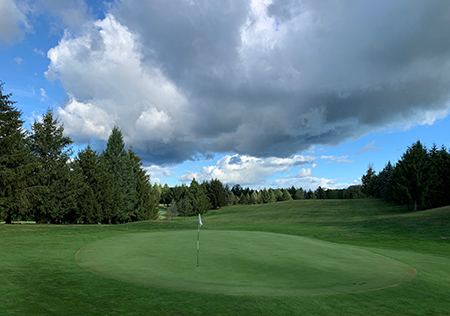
(438, 193)
(311, 195)
(368, 181)
(320, 193)
(89, 208)
(254, 198)
(147, 197)
(166, 195)
(286, 196)
(121, 166)
(17, 165)
(217, 194)
(414, 170)
(198, 198)
(51, 148)
(299, 194)
(172, 211)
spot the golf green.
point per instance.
(241, 262)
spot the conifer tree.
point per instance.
(198, 198)
(51, 149)
(121, 166)
(286, 195)
(17, 165)
(299, 194)
(147, 196)
(414, 170)
(91, 189)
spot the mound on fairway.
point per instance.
(238, 262)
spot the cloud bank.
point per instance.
(187, 78)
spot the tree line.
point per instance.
(39, 181)
(421, 178)
(198, 198)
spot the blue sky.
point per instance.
(290, 93)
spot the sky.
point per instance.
(259, 93)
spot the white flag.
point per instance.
(199, 220)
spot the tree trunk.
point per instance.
(8, 219)
(415, 205)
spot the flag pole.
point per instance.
(198, 242)
(198, 236)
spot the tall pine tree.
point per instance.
(17, 165)
(51, 149)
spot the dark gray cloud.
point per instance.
(261, 80)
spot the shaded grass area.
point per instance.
(39, 276)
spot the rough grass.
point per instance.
(39, 275)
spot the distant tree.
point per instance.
(368, 181)
(260, 197)
(198, 198)
(166, 195)
(172, 211)
(383, 180)
(243, 199)
(320, 193)
(254, 197)
(286, 196)
(311, 195)
(186, 208)
(439, 193)
(414, 168)
(278, 195)
(217, 194)
(299, 194)
(353, 192)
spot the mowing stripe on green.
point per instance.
(240, 262)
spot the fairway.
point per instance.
(241, 262)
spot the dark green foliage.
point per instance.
(286, 196)
(198, 198)
(91, 184)
(17, 165)
(147, 197)
(320, 193)
(51, 149)
(414, 169)
(420, 178)
(299, 194)
(368, 181)
(121, 166)
(217, 194)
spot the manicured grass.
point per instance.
(40, 276)
(237, 262)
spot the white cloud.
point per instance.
(13, 21)
(39, 52)
(109, 86)
(371, 146)
(159, 174)
(44, 96)
(19, 61)
(246, 170)
(332, 159)
(85, 119)
(305, 172)
(308, 183)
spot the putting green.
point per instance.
(239, 262)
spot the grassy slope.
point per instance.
(38, 274)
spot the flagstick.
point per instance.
(198, 242)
